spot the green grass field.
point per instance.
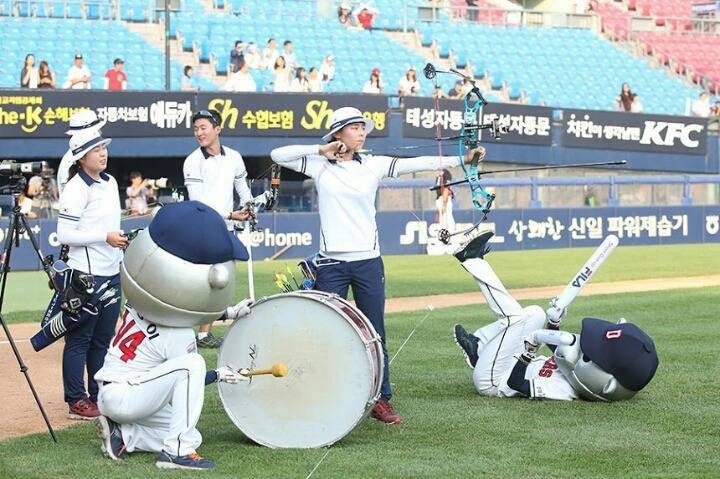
(419, 275)
(668, 430)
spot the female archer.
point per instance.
(347, 182)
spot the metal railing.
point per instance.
(417, 14)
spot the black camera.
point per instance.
(13, 168)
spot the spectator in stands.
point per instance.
(299, 84)
(115, 78)
(409, 84)
(375, 84)
(327, 69)
(78, 75)
(188, 83)
(241, 80)
(314, 80)
(252, 56)
(29, 73)
(237, 57)
(472, 13)
(456, 92)
(289, 54)
(366, 17)
(270, 54)
(46, 78)
(624, 101)
(281, 83)
(636, 106)
(345, 15)
(137, 194)
(701, 106)
(716, 109)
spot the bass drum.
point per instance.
(335, 366)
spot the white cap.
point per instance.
(347, 115)
(84, 119)
(84, 141)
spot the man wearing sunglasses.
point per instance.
(212, 173)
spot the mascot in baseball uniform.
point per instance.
(605, 362)
(177, 273)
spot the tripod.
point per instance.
(18, 225)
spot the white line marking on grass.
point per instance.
(430, 308)
(318, 464)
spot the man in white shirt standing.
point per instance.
(78, 75)
(212, 173)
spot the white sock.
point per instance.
(202, 334)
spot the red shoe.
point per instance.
(384, 412)
(84, 410)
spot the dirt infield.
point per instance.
(45, 371)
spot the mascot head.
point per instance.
(180, 271)
(611, 362)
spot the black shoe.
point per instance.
(209, 342)
(468, 344)
(475, 248)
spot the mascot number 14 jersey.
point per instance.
(139, 346)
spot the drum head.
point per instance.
(330, 380)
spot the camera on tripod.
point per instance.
(13, 168)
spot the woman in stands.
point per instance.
(409, 84)
(282, 75)
(46, 78)
(624, 101)
(347, 183)
(375, 84)
(300, 83)
(29, 73)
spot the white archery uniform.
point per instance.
(346, 194)
(152, 384)
(89, 209)
(212, 180)
(503, 340)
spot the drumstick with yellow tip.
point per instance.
(278, 370)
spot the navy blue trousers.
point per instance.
(367, 278)
(87, 345)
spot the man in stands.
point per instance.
(116, 78)
(78, 75)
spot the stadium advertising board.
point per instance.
(526, 124)
(405, 232)
(287, 114)
(634, 132)
(45, 114)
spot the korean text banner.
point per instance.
(45, 114)
(526, 124)
(634, 132)
(287, 114)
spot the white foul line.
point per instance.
(430, 309)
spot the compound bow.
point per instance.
(469, 137)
